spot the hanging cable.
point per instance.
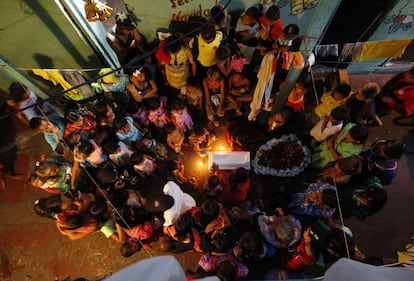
(131, 63)
(38, 105)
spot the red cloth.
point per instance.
(277, 27)
(228, 197)
(161, 54)
(88, 125)
(296, 258)
(404, 92)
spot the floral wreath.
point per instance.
(283, 157)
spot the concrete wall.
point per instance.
(398, 24)
(36, 34)
(157, 14)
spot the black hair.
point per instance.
(273, 13)
(329, 198)
(250, 243)
(296, 42)
(359, 133)
(107, 173)
(226, 271)
(291, 29)
(343, 89)
(209, 210)
(173, 44)
(304, 78)
(54, 203)
(119, 122)
(128, 250)
(99, 211)
(370, 90)
(73, 221)
(131, 216)
(222, 242)
(17, 91)
(125, 20)
(217, 13)
(101, 109)
(35, 122)
(192, 81)
(253, 12)
(72, 116)
(240, 175)
(172, 165)
(393, 149)
(286, 112)
(377, 198)
(109, 146)
(213, 181)
(340, 113)
(86, 147)
(178, 104)
(137, 157)
(223, 52)
(208, 32)
(152, 103)
(42, 210)
(198, 130)
(336, 247)
(351, 165)
(183, 225)
(169, 127)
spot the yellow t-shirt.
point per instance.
(207, 51)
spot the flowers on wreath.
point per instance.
(283, 157)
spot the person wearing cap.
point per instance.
(114, 86)
(125, 39)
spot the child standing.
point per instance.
(214, 89)
(362, 105)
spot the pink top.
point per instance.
(183, 120)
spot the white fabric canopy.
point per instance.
(351, 270)
(162, 268)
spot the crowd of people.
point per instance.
(118, 165)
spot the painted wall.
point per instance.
(36, 34)
(398, 24)
(158, 13)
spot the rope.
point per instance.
(130, 64)
(340, 214)
(315, 92)
(114, 209)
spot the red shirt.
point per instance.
(276, 27)
(296, 258)
(228, 197)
